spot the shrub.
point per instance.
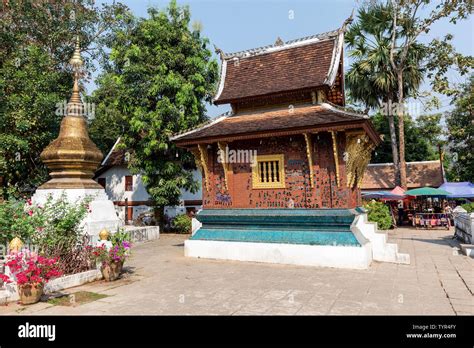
(182, 224)
(30, 268)
(469, 207)
(119, 237)
(118, 252)
(54, 229)
(15, 221)
(379, 213)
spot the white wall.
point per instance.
(115, 189)
(115, 185)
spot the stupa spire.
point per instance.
(72, 157)
(75, 106)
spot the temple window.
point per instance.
(269, 172)
(128, 183)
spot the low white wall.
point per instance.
(464, 226)
(294, 254)
(58, 284)
(143, 234)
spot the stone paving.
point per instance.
(161, 280)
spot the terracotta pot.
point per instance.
(30, 293)
(111, 271)
(121, 266)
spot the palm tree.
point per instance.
(370, 79)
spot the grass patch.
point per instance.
(76, 299)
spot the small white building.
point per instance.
(128, 192)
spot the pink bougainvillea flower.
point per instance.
(5, 278)
(30, 213)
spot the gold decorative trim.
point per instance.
(336, 157)
(321, 96)
(204, 161)
(359, 149)
(197, 157)
(309, 153)
(257, 184)
(222, 147)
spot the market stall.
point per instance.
(428, 208)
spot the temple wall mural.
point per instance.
(302, 190)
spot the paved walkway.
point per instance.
(163, 281)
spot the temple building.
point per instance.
(282, 170)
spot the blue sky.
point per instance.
(234, 25)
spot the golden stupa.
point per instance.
(72, 157)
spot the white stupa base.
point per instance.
(354, 257)
(102, 211)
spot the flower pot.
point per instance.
(111, 271)
(121, 266)
(30, 293)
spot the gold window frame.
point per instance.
(257, 184)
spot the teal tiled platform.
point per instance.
(291, 226)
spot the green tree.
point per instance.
(37, 41)
(460, 123)
(28, 122)
(370, 79)
(422, 137)
(159, 77)
(407, 16)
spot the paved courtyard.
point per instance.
(161, 280)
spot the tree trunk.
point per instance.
(401, 132)
(160, 217)
(393, 141)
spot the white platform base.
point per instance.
(102, 215)
(293, 254)
(374, 246)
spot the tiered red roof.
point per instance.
(296, 65)
(273, 91)
(277, 121)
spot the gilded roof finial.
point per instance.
(75, 107)
(76, 59)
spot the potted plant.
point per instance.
(31, 272)
(111, 259)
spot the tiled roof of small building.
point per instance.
(381, 176)
(282, 119)
(115, 157)
(294, 65)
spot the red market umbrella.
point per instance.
(398, 191)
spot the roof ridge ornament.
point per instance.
(348, 21)
(279, 42)
(219, 52)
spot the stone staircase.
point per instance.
(381, 250)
